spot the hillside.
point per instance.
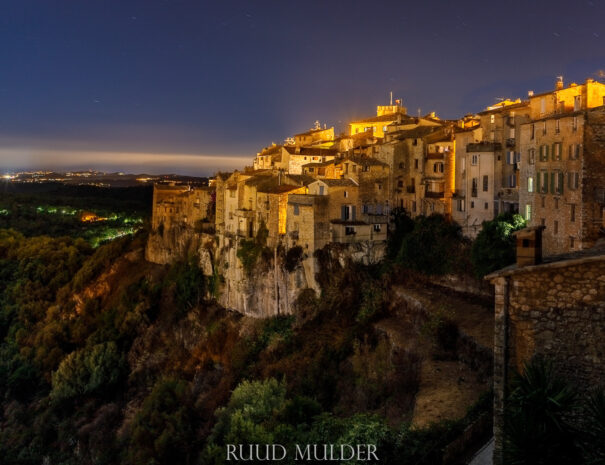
(110, 359)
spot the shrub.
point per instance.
(189, 283)
(494, 247)
(88, 371)
(293, 258)
(432, 247)
(163, 429)
(536, 430)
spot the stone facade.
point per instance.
(554, 309)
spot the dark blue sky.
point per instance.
(87, 83)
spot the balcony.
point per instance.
(434, 195)
(435, 155)
(510, 142)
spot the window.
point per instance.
(492, 119)
(346, 193)
(349, 230)
(485, 183)
(460, 205)
(577, 102)
(573, 180)
(512, 180)
(544, 153)
(556, 228)
(556, 203)
(530, 184)
(556, 182)
(556, 151)
(532, 131)
(379, 186)
(543, 127)
(401, 166)
(296, 209)
(384, 129)
(528, 212)
(532, 156)
(510, 157)
(438, 168)
(311, 170)
(321, 190)
(574, 123)
(486, 205)
(475, 181)
(416, 163)
(472, 204)
(365, 209)
(377, 228)
(474, 159)
(399, 183)
(557, 126)
(542, 185)
(572, 213)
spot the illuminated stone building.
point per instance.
(563, 166)
(377, 125)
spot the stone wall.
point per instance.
(556, 310)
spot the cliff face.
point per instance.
(269, 287)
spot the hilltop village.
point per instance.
(540, 157)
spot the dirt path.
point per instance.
(447, 388)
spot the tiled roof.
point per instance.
(365, 161)
(338, 182)
(311, 151)
(311, 131)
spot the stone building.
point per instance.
(562, 168)
(377, 125)
(553, 307)
(174, 204)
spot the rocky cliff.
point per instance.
(270, 286)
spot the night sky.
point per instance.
(192, 86)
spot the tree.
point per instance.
(494, 247)
(432, 247)
(162, 430)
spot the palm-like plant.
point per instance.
(536, 428)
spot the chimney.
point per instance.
(559, 83)
(529, 245)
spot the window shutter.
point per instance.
(552, 183)
(546, 152)
(561, 182)
(343, 212)
(538, 181)
(353, 216)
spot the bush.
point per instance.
(163, 430)
(494, 247)
(88, 371)
(190, 283)
(536, 430)
(293, 258)
(432, 247)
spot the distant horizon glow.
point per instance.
(20, 159)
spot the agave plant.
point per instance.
(536, 429)
(593, 437)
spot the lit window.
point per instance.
(474, 159)
(528, 212)
(530, 184)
